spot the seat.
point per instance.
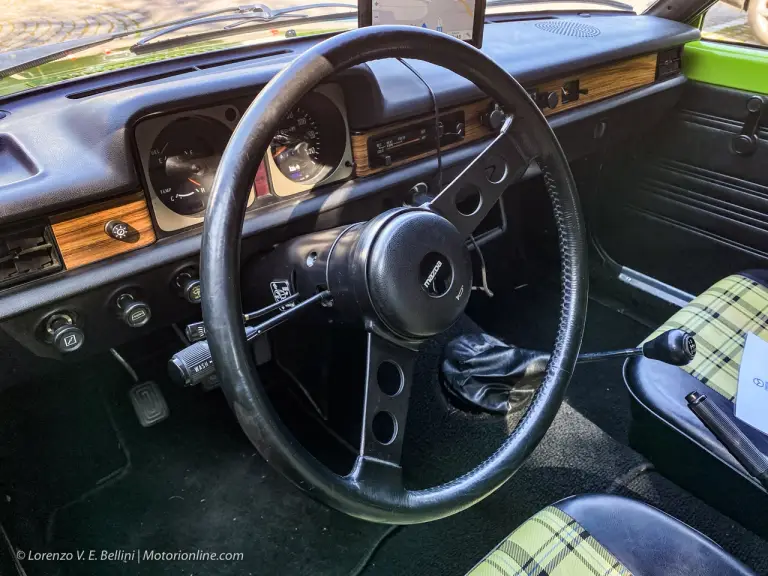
(605, 535)
(668, 433)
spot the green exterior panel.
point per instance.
(740, 67)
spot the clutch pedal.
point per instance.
(149, 403)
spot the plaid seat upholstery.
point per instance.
(551, 543)
(719, 320)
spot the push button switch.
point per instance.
(119, 230)
(188, 285)
(132, 311)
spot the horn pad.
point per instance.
(418, 274)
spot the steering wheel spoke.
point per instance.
(388, 378)
(471, 195)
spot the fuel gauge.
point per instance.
(183, 162)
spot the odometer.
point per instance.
(310, 141)
(183, 161)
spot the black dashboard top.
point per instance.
(75, 142)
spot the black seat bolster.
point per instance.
(648, 541)
(661, 389)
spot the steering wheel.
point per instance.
(405, 276)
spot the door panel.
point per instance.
(682, 205)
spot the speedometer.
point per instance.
(183, 161)
(310, 141)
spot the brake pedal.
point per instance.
(149, 403)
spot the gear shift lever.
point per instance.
(482, 373)
(675, 347)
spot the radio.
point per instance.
(415, 139)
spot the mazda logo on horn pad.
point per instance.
(435, 274)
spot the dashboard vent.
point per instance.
(132, 82)
(245, 58)
(27, 253)
(568, 28)
(668, 63)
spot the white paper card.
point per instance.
(752, 393)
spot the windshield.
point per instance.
(35, 26)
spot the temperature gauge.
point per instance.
(183, 161)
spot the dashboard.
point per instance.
(104, 181)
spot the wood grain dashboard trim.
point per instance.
(605, 81)
(82, 239)
(473, 130)
(600, 82)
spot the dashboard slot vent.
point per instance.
(128, 83)
(27, 253)
(220, 61)
(669, 63)
(568, 28)
(243, 59)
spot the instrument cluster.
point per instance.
(180, 154)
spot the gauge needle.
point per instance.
(194, 182)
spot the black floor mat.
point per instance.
(528, 317)
(197, 484)
(575, 457)
(98, 481)
(56, 442)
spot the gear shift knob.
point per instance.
(675, 347)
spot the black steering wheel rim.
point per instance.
(220, 267)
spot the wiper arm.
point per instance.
(607, 3)
(26, 58)
(256, 13)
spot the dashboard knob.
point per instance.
(68, 339)
(548, 99)
(132, 311)
(553, 99)
(494, 118)
(189, 287)
(65, 335)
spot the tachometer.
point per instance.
(183, 161)
(310, 141)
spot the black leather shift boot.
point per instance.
(481, 373)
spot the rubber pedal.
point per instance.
(149, 403)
